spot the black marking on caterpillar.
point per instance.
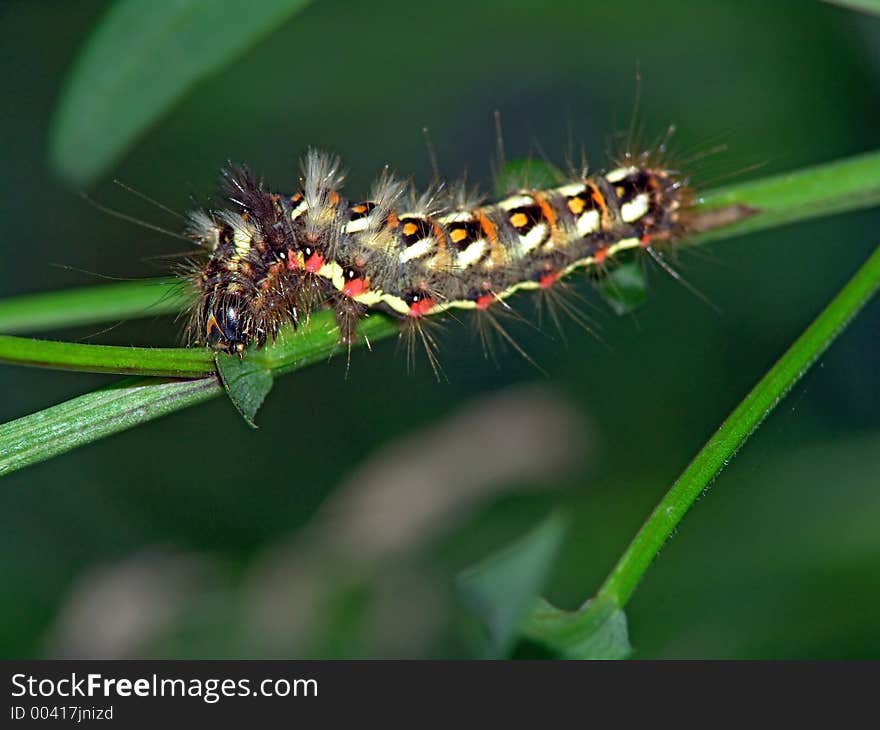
(273, 259)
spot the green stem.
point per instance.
(178, 362)
(813, 192)
(832, 188)
(734, 432)
(563, 629)
(836, 187)
(47, 433)
(74, 307)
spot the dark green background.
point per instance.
(780, 559)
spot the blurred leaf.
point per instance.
(624, 288)
(526, 174)
(247, 383)
(605, 636)
(140, 59)
(866, 6)
(500, 589)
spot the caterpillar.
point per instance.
(272, 258)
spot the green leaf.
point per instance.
(624, 287)
(247, 384)
(526, 174)
(141, 58)
(603, 636)
(866, 6)
(52, 431)
(502, 588)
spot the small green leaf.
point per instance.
(526, 174)
(603, 636)
(141, 58)
(247, 383)
(500, 589)
(624, 288)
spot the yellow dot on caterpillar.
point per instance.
(577, 205)
(458, 235)
(519, 220)
(409, 229)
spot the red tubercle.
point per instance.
(647, 239)
(354, 287)
(484, 300)
(549, 279)
(314, 263)
(421, 307)
(600, 255)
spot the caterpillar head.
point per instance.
(223, 326)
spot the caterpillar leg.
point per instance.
(417, 333)
(347, 313)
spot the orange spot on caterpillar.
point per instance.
(598, 198)
(547, 211)
(488, 228)
(484, 300)
(333, 198)
(354, 287)
(440, 236)
(392, 221)
(458, 235)
(547, 280)
(600, 255)
(409, 228)
(360, 208)
(314, 263)
(421, 307)
(519, 220)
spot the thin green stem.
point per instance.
(50, 432)
(89, 305)
(561, 629)
(176, 362)
(835, 187)
(737, 428)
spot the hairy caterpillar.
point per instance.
(274, 258)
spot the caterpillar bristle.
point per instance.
(417, 333)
